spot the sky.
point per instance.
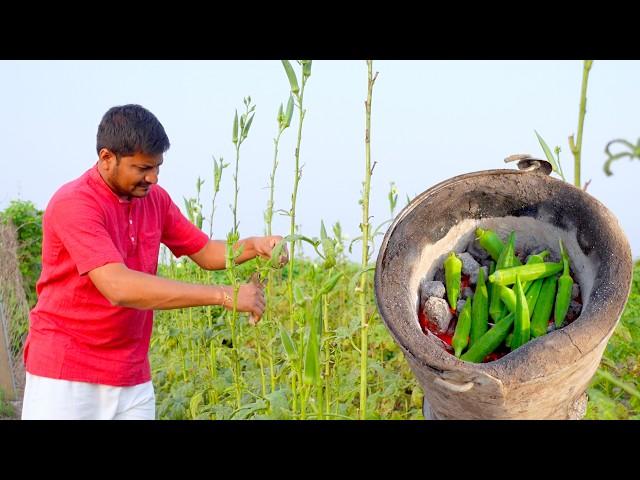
(431, 120)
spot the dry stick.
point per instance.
(576, 149)
(365, 246)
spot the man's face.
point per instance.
(131, 176)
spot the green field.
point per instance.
(192, 359)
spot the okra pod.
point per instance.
(508, 255)
(460, 338)
(532, 294)
(490, 241)
(496, 309)
(525, 272)
(565, 283)
(544, 306)
(508, 296)
(452, 278)
(480, 310)
(489, 341)
(537, 258)
(521, 326)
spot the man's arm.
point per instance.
(129, 288)
(212, 255)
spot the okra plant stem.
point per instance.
(363, 292)
(294, 196)
(576, 148)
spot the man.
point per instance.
(86, 353)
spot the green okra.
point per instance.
(460, 338)
(525, 272)
(490, 241)
(532, 294)
(508, 257)
(489, 341)
(452, 278)
(492, 268)
(496, 308)
(521, 326)
(544, 306)
(533, 259)
(565, 284)
(480, 310)
(508, 297)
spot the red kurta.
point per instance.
(74, 331)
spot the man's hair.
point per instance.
(130, 129)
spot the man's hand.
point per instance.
(265, 245)
(250, 299)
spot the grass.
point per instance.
(619, 397)
(6, 409)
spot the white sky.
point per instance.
(431, 120)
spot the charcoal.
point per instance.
(574, 310)
(439, 275)
(431, 288)
(477, 251)
(575, 291)
(473, 278)
(437, 310)
(469, 264)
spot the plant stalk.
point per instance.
(576, 148)
(364, 327)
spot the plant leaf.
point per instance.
(247, 127)
(291, 75)
(548, 154)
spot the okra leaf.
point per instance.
(195, 402)
(548, 154)
(248, 126)
(356, 277)
(291, 75)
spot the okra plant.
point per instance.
(239, 135)
(575, 145)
